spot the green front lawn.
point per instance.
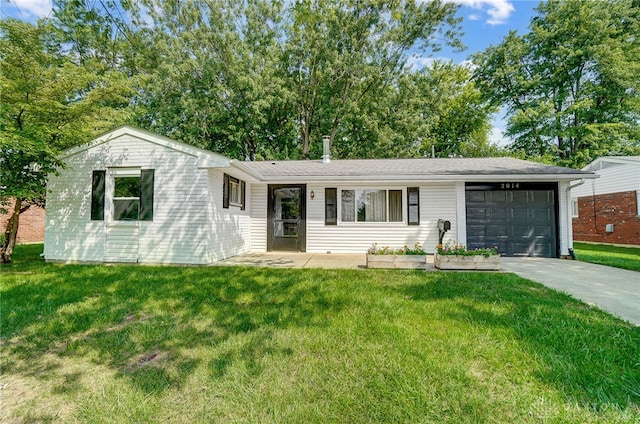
(205, 344)
(616, 256)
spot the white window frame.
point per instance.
(235, 192)
(110, 192)
(402, 222)
(574, 208)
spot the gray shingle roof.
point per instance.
(427, 167)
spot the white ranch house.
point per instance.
(134, 196)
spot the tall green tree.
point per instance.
(437, 110)
(342, 54)
(570, 85)
(219, 83)
(48, 101)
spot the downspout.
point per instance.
(570, 218)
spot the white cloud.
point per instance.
(419, 62)
(496, 136)
(498, 10)
(474, 17)
(37, 8)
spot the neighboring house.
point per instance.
(607, 209)
(134, 196)
(31, 225)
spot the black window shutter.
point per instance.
(97, 195)
(413, 205)
(225, 192)
(146, 195)
(243, 188)
(330, 206)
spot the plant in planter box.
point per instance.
(459, 249)
(404, 257)
(456, 256)
(406, 250)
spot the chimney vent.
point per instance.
(326, 145)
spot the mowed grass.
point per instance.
(121, 344)
(616, 256)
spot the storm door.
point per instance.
(286, 229)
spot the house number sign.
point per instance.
(507, 186)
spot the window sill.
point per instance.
(124, 224)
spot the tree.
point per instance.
(570, 85)
(48, 102)
(436, 109)
(219, 81)
(260, 80)
(342, 54)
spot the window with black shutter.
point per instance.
(97, 195)
(413, 205)
(331, 206)
(233, 192)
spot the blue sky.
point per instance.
(485, 23)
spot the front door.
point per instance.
(287, 218)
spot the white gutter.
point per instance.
(570, 216)
(512, 178)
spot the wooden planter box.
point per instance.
(476, 262)
(397, 261)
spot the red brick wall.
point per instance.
(31, 228)
(595, 212)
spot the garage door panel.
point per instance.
(478, 212)
(519, 214)
(497, 230)
(521, 222)
(542, 231)
(541, 216)
(519, 197)
(497, 196)
(476, 196)
(521, 231)
(496, 213)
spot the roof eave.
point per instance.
(438, 177)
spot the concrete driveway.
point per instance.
(614, 290)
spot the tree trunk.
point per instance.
(11, 233)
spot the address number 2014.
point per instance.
(506, 186)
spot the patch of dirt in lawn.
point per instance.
(155, 358)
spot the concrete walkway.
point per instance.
(298, 260)
(614, 290)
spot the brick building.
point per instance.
(607, 209)
(31, 229)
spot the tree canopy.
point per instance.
(570, 85)
(49, 101)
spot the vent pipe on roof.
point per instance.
(325, 145)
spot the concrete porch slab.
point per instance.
(298, 260)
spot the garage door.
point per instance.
(519, 218)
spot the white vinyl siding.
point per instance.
(617, 178)
(176, 234)
(437, 201)
(229, 228)
(122, 242)
(259, 216)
